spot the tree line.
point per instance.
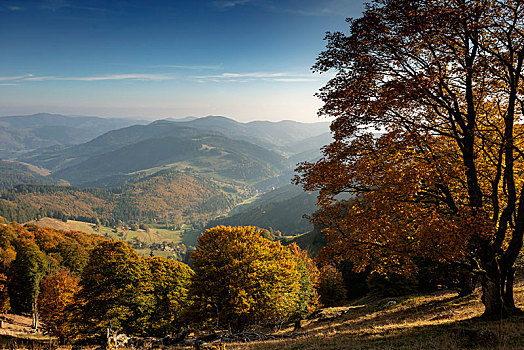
(80, 285)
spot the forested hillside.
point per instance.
(282, 209)
(213, 155)
(165, 196)
(110, 158)
(13, 173)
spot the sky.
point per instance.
(244, 59)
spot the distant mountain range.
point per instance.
(19, 134)
(246, 152)
(48, 149)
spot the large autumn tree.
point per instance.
(170, 281)
(116, 290)
(442, 81)
(57, 290)
(242, 279)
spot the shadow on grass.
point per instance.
(427, 324)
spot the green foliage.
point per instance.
(242, 279)
(308, 299)
(114, 287)
(170, 281)
(26, 272)
(23, 212)
(331, 286)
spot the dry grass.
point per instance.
(436, 321)
(70, 225)
(20, 327)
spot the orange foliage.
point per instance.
(56, 294)
(444, 80)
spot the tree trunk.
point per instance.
(467, 284)
(492, 282)
(507, 292)
(491, 298)
(35, 316)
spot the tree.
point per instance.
(115, 289)
(170, 281)
(443, 80)
(242, 279)
(7, 256)
(56, 294)
(25, 274)
(4, 296)
(331, 286)
(309, 278)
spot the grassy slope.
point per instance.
(157, 233)
(435, 321)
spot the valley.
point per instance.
(158, 185)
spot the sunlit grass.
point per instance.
(436, 321)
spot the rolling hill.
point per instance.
(21, 134)
(216, 146)
(167, 196)
(14, 173)
(203, 153)
(281, 209)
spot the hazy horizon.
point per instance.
(244, 59)
(157, 118)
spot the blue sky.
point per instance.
(246, 59)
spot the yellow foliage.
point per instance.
(242, 278)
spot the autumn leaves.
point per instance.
(81, 283)
(443, 82)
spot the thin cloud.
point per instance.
(16, 77)
(145, 77)
(51, 5)
(297, 7)
(8, 84)
(294, 80)
(13, 8)
(252, 76)
(54, 5)
(179, 66)
(229, 3)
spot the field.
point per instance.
(156, 234)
